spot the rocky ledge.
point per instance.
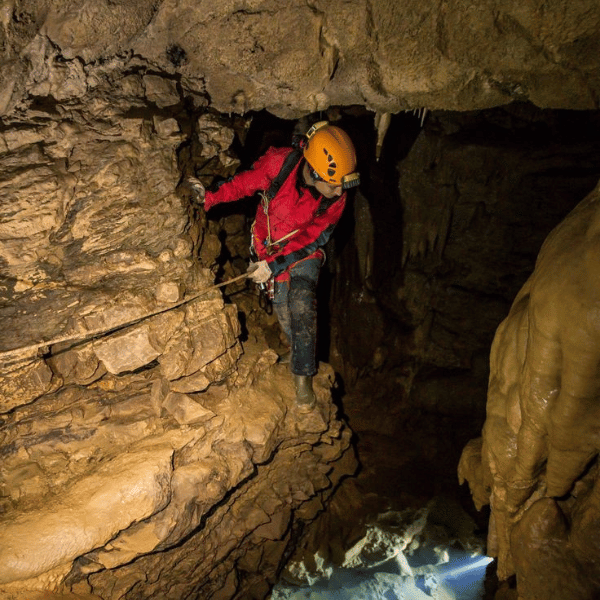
(127, 488)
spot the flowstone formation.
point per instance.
(536, 463)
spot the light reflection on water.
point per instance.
(461, 578)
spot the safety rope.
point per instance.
(90, 335)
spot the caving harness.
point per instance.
(267, 289)
(24, 353)
(331, 158)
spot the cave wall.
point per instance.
(145, 451)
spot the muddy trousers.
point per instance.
(295, 305)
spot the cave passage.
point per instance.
(151, 442)
(172, 445)
(424, 265)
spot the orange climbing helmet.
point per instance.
(330, 153)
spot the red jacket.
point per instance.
(294, 207)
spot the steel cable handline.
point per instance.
(90, 335)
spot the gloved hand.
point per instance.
(196, 189)
(275, 248)
(259, 272)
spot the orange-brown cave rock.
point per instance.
(537, 463)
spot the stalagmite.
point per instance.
(382, 123)
(537, 464)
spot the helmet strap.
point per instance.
(314, 174)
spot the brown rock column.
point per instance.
(540, 439)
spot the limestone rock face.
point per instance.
(536, 463)
(93, 237)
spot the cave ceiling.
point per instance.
(296, 58)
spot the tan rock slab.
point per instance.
(125, 490)
(24, 384)
(186, 410)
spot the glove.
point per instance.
(196, 189)
(259, 272)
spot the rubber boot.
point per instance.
(305, 396)
(285, 358)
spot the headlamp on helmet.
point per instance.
(330, 153)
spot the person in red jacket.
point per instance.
(303, 197)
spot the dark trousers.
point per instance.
(295, 304)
